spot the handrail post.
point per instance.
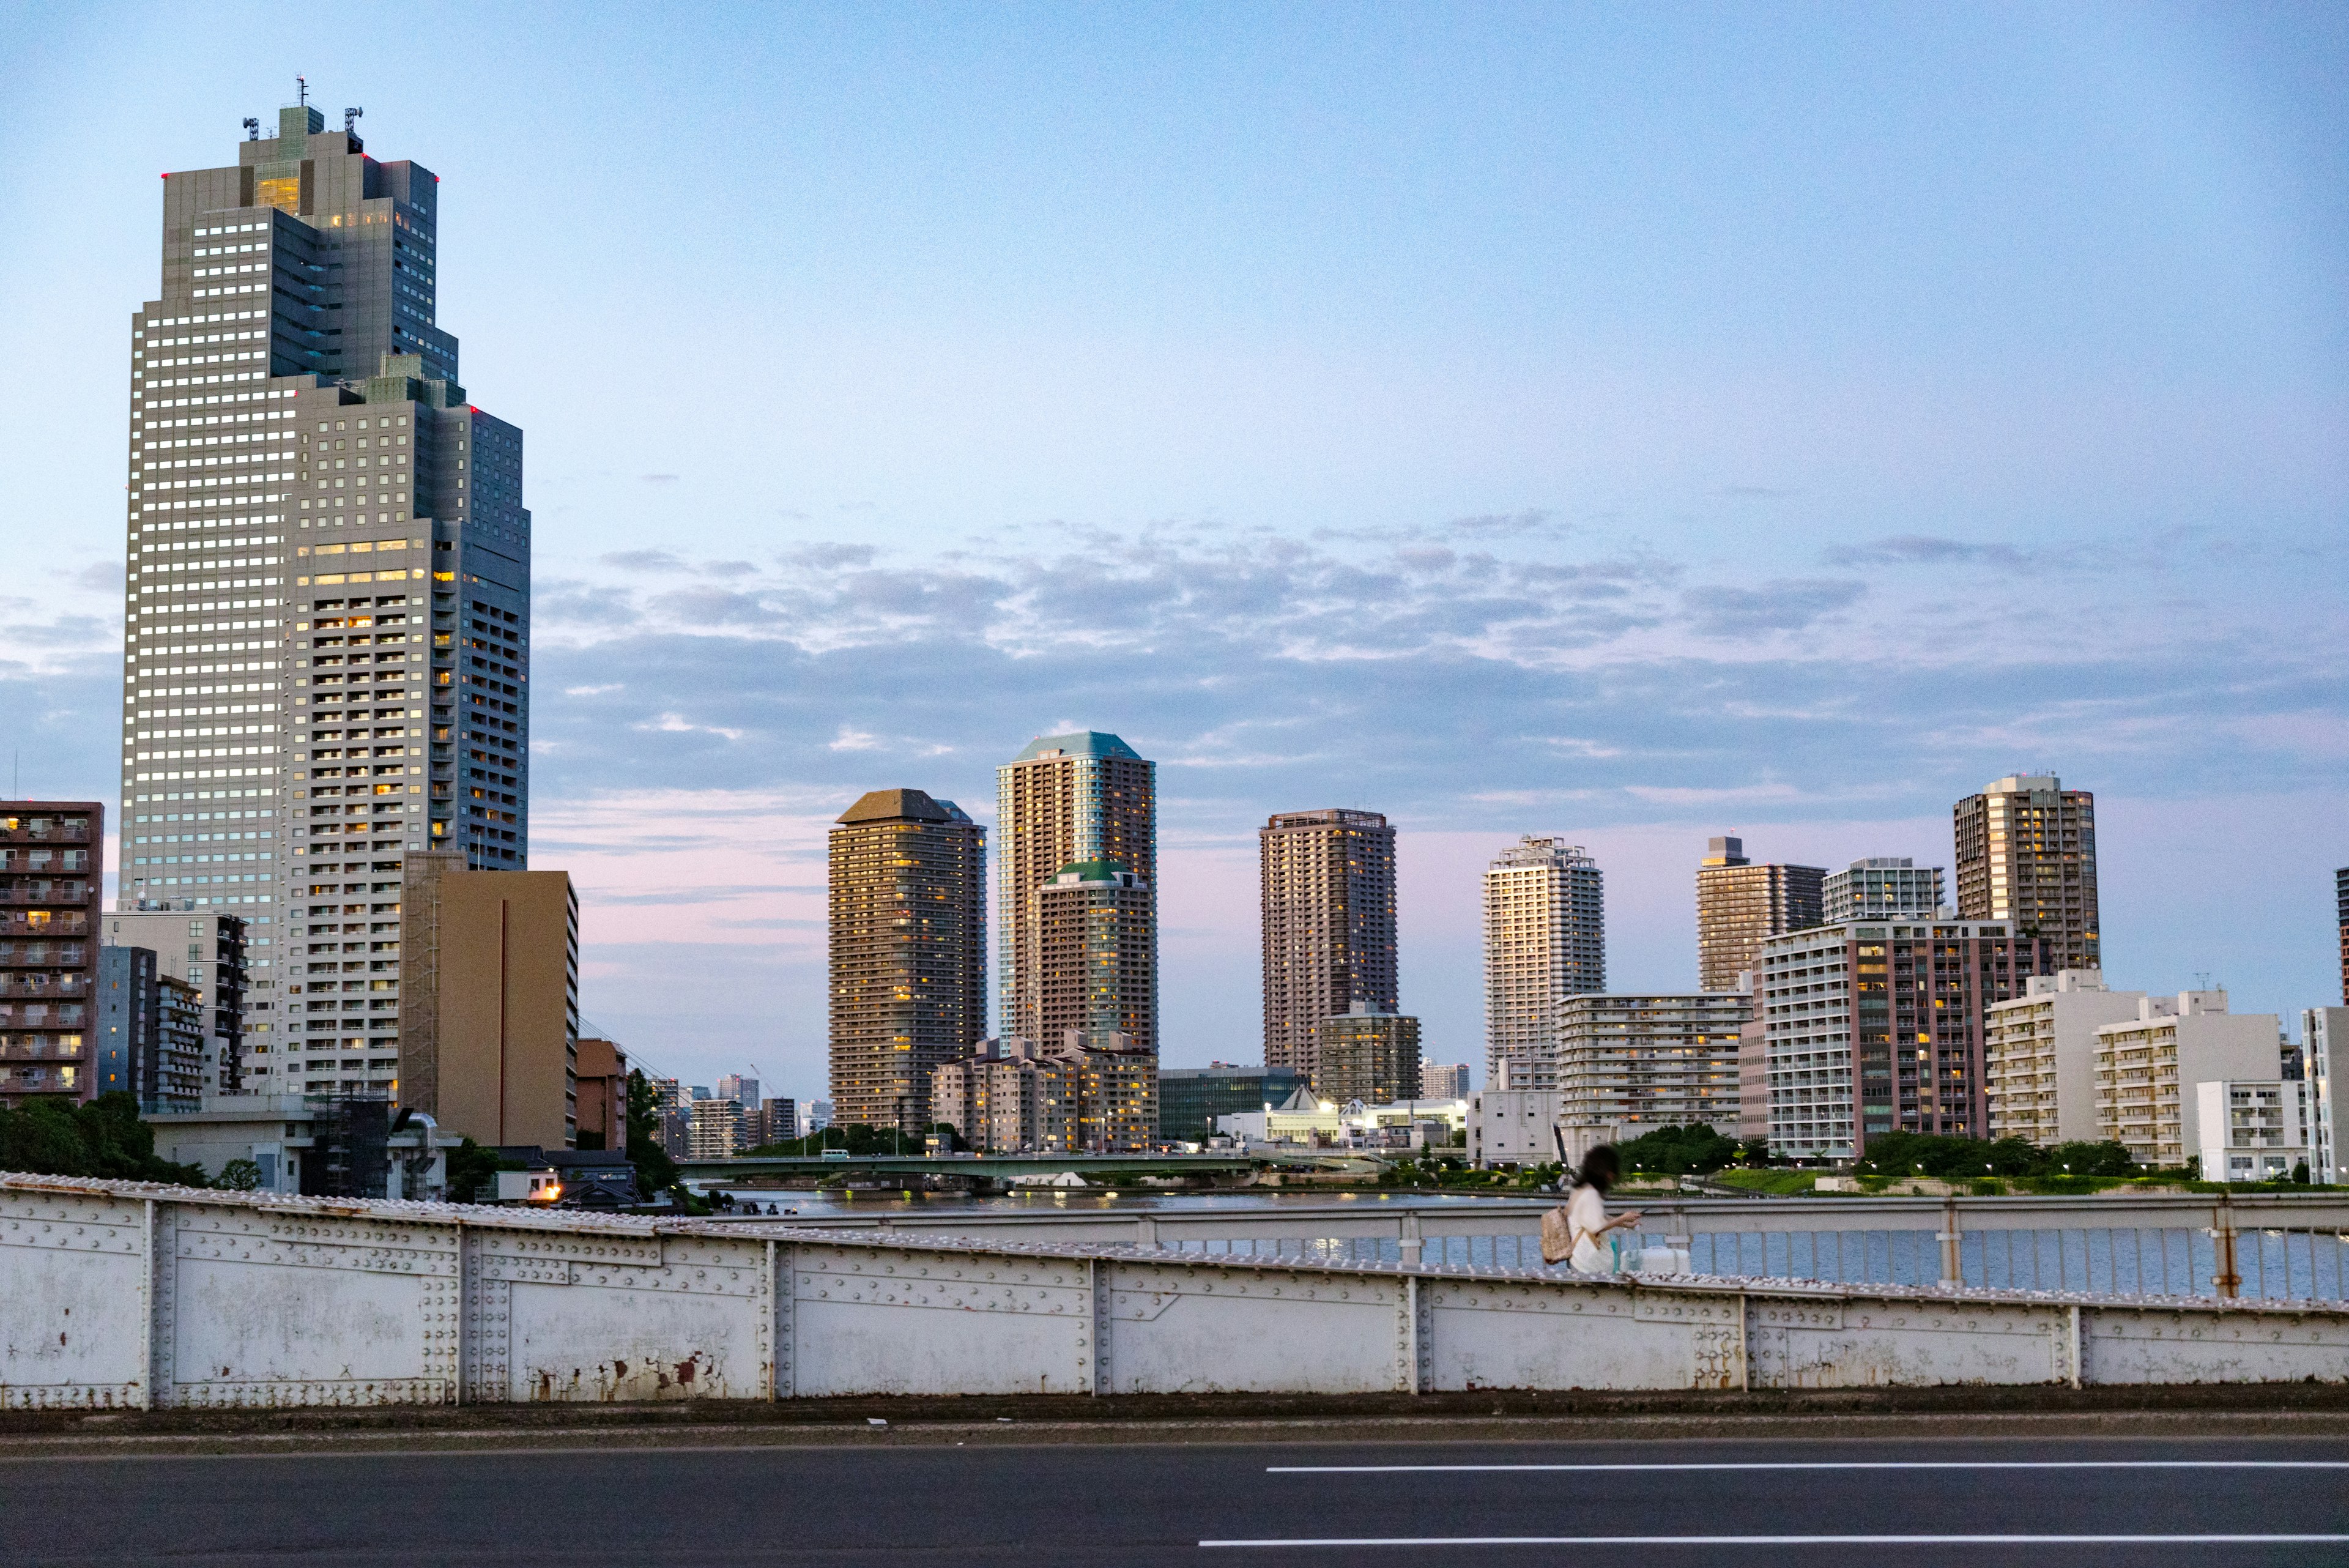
(2223, 1232)
(1953, 1265)
(1408, 1240)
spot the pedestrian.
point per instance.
(1580, 1233)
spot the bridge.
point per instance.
(998, 1169)
(130, 1295)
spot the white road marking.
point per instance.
(1422, 1541)
(1839, 1465)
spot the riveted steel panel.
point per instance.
(1505, 1334)
(72, 1300)
(906, 1322)
(1197, 1329)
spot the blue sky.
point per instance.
(1634, 423)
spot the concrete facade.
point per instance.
(1092, 957)
(1367, 1056)
(2039, 1056)
(328, 589)
(2147, 1066)
(2325, 1046)
(52, 859)
(1326, 904)
(1881, 887)
(1739, 903)
(1544, 940)
(2252, 1130)
(206, 949)
(489, 1020)
(600, 1090)
(1515, 1126)
(1065, 799)
(1630, 1064)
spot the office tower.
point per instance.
(488, 1022)
(1368, 1055)
(2039, 1056)
(329, 599)
(2027, 854)
(742, 1091)
(1629, 1064)
(1739, 903)
(1444, 1081)
(1066, 799)
(2147, 1067)
(1872, 1029)
(2325, 1052)
(778, 1120)
(52, 858)
(908, 952)
(600, 1088)
(1882, 887)
(1327, 881)
(1091, 956)
(206, 949)
(1191, 1098)
(1544, 940)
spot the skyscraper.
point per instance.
(1329, 920)
(2341, 909)
(1882, 887)
(1094, 959)
(2027, 853)
(1739, 903)
(1079, 797)
(1544, 940)
(907, 953)
(328, 600)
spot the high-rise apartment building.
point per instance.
(1444, 1080)
(1093, 959)
(1544, 940)
(1062, 1096)
(1629, 1064)
(1064, 800)
(1871, 1029)
(1327, 880)
(328, 600)
(2341, 909)
(2325, 1053)
(2039, 1056)
(1739, 903)
(1365, 1054)
(52, 862)
(204, 949)
(2027, 854)
(1882, 887)
(908, 952)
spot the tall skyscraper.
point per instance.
(2341, 909)
(2027, 853)
(1544, 940)
(908, 956)
(1066, 799)
(1092, 959)
(1329, 919)
(1882, 887)
(328, 601)
(1739, 903)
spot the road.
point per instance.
(2211, 1504)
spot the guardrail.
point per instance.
(118, 1293)
(2269, 1246)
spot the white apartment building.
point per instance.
(1516, 1127)
(716, 1129)
(2324, 1047)
(1544, 940)
(1629, 1064)
(2147, 1068)
(1882, 887)
(2255, 1130)
(2039, 1054)
(1443, 1080)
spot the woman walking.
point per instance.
(1591, 1250)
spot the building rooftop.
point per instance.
(900, 805)
(1079, 743)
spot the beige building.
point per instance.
(907, 984)
(1077, 1097)
(1544, 940)
(1739, 903)
(1328, 908)
(489, 1011)
(2039, 1056)
(1064, 800)
(715, 1131)
(1366, 1055)
(2027, 854)
(1629, 1064)
(1093, 964)
(602, 1095)
(2147, 1067)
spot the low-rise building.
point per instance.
(2252, 1130)
(1515, 1126)
(2147, 1068)
(2039, 1055)
(1191, 1098)
(310, 1146)
(601, 1104)
(1085, 1094)
(1303, 1120)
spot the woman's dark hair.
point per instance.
(1600, 1168)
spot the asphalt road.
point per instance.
(2061, 1503)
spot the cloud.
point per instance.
(1786, 605)
(1923, 549)
(659, 478)
(646, 561)
(98, 576)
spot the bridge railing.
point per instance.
(2273, 1247)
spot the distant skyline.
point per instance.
(1634, 427)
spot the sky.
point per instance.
(1630, 423)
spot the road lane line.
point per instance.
(1423, 1540)
(1838, 1465)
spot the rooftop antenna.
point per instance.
(302, 90)
(252, 128)
(350, 118)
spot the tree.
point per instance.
(238, 1176)
(656, 1171)
(1676, 1151)
(472, 1172)
(103, 1138)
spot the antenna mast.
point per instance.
(302, 90)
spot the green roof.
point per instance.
(1082, 743)
(1094, 870)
